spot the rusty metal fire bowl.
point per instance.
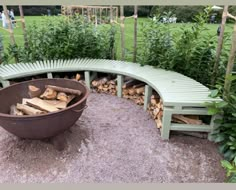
(45, 125)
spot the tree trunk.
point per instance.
(122, 27)
(219, 46)
(230, 62)
(135, 32)
(23, 25)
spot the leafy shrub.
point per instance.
(186, 51)
(225, 132)
(65, 38)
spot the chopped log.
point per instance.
(29, 110)
(155, 96)
(140, 90)
(62, 96)
(130, 83)
(125, 91)
(192, 116)
(15, 111)
(139, 85)
(70, 98)
(77, 77)
(34, 91)
(160, 115)
(41, 104)
(49, 94)
(58, 104)
(156, 111)
(132, 91)
(66, 90)
(158, 123)
(154, 101)
(113, 82)
(186, 120)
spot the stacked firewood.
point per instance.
(105, 85)
(134, 90)
(155, 109)
(53, 98)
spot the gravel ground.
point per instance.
(113, 141)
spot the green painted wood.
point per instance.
(87, 79)
(120, 82)
(147, 96)
(186, 127)
(183, 94)
(93, 76)
(49, 75)
(5, 83)
(166, 124)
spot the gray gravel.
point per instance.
(115, 140)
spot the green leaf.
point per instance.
(212, 111)
(234, 161)
(234, 114)
(226, 164)
(214, 93)
(221, 104)
(232, 138)
(219, 138)
(232, 179)
(223, 148)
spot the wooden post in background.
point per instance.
(122, 27)
(23, 25)
(230, 64)
(1, 48)
(100, 15)
(9, 24)
(219, 46)
(111, 14)
(88, 14)
(96, 17)
(116, 14)
(135, 32)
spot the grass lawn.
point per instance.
(129, 30)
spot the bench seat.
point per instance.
(180, 94)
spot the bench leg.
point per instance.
(213, 125)
(120, 82)
(87, 79)
(147, 96)
(49, 75)
(166, 122)
(5, 83)
(93, 76)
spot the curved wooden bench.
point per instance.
(180, 94)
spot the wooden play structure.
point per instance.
(97, 14)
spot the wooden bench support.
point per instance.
(49, 75)
(87, 79)
(120, 82)
(5, 83)
(166, 123)
(147, 96)
(93, 76)
(213, 125)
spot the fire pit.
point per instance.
(45, 125)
